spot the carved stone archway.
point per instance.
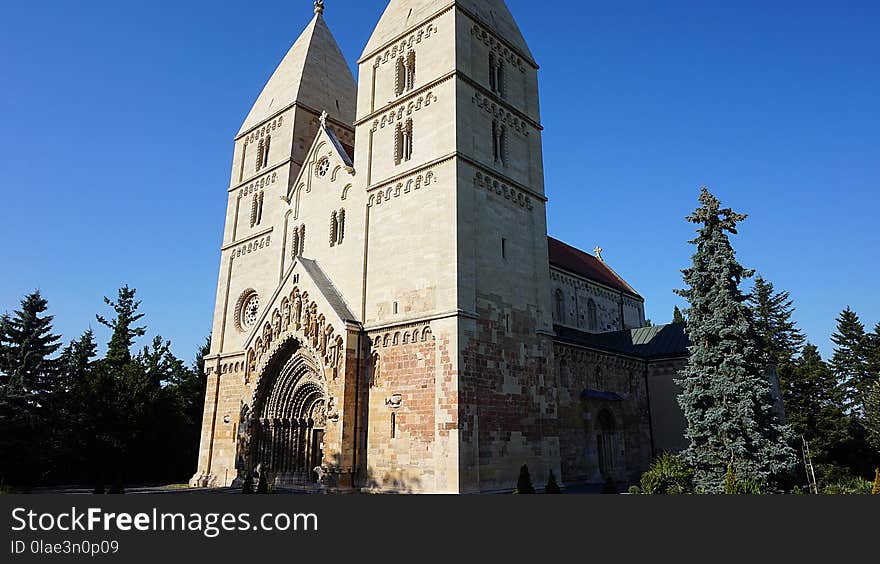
(289, 414)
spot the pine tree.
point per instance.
(123, 326)
(677, 316)
(772, 312)
(850, 361)
(524, 482)
(726, 398)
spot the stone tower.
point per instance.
(449, 153)
(270, 149)
(383, 314)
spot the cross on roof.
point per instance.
(598, 250)
(319, 6)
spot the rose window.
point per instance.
(323, 167)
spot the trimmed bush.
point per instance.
(524, 483)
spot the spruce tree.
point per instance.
(123, 326)
(726, 397)
(677, 316)
(26, 415)
(811, 406)
(850, 361)
(872, 416)
(772, 312)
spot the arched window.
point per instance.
(606, 443)
(408, 140)
(592, 316)
(255, 208)
(266, 151)
(492, 76)
(502, 144)
(398, 144)
(400, 77)
(410, 71)
(500, 88)
(393, 425)
(495, 145)
(295, 242)
(260, 208)
(243, 160)
(340, 235)
(261, 149)
(334, 228)
(560, 306)
(302, 239)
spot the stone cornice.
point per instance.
(499, 100)
(287, 108)
(247, 239)
(402, 100)
(420, 319)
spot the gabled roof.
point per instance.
(404, 15)
(313, 73)
(584, 264)
(649, 343)
(328, 290)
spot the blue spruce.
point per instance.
(731, 419)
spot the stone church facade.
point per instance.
(391, 314)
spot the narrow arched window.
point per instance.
(266, 151)
(560, 306)
(255, 204)
(393, 425)
(341, 227)
(302, 239)
(408, 140)
(295, 242)
(243, 160)
(398, 144)
(492, 76)
(261, 148)
(260, 208)
(334, 228)
(400, 77)
(502, 145)
(411, 71)
(499, 80)
(592, 316)
(495, 144)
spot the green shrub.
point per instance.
(669, 475)
(876, 489)
(524, 483)
(634, 490)
(835, 480)
(552, 487)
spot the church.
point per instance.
(391, 315)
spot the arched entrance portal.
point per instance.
(290, 414)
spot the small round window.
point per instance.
(323, 167)
(250, 311)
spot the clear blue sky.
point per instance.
(118, 119)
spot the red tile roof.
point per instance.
(578, 262)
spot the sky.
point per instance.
(119, 118)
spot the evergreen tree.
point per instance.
(772, 312)
(677, 316)
(872, 415)
(26, 394)
(850, 361)
(123, 326)
(726, 398)
(811, 406)
(524, 482)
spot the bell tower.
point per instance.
(448, 150)
(269, 150)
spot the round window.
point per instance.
(323, 167)
(250, 311)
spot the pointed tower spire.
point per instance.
(313, 74)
